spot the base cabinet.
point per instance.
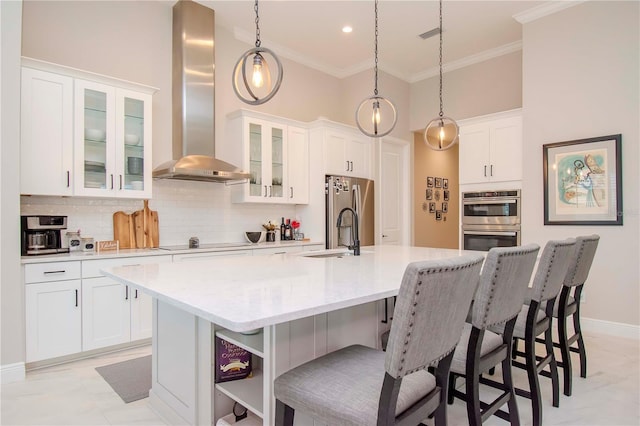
(113, 313)
(106, 319)
(53, 319)
(71, 308)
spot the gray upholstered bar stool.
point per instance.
(535, 318)
(568, 304)
(358, 385)
(501, 293)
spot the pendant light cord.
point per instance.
(441, 113)
(258, 28)
(375, 68)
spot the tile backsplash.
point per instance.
(185, 209)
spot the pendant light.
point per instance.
(380, 107)
(259, 88)
(441, 132)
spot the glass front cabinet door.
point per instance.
(112, 141)
(265, 150)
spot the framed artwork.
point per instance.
(445, 196)
(438, 215)
(583, 181)
(432, 207)
(429, 193)
(445, 183)
(438, 182)
(429, 182)
(445, 207)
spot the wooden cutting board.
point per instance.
(145, 226)
(123, 230)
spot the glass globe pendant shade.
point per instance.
(252, 77)
(441, 133)
(373, 116)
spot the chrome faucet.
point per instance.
(356, 238)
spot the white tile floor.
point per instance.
(75, 394)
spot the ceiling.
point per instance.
(309, 32)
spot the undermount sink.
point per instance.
(338, 254)
(341, 254)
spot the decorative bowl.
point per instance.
(95, 134)
(254, 237)
(131, 139)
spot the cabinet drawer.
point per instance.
(55, 271)
(277, 250)
(91, 268)
(209, 255)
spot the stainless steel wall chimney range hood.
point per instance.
(193, 99)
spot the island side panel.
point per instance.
(174, 355)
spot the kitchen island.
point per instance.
(304, 305)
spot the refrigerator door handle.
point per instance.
(357, 204)
(330, 206)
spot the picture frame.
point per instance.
(438, 215)
(432, 207)
(583, 181)
(445, 195)
(429, 194)
(445, 207)
(438, 182)
(429, 182)
(445, 183)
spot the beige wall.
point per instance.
(12, 345)
(580, 82)
(483, 88)
(427, 231)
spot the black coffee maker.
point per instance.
(42, 234)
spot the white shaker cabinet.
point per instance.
(297, 189)
(347, 152)
(52, 310)
(83, 133)
(106, 314)
(112, 141)
(113, 313)
(491, 148)
(275, 153)
(46, 145)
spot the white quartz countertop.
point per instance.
(205, 248)
(245, 293)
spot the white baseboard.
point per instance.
(12, 372)
(610, 328)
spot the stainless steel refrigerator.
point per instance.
(356, 193)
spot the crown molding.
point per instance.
(249, 38)
(543, 10)
(469, 60)
(291, 54)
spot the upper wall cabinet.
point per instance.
(46, 147)
(276, 154)
(347, 152)
(112, 141)
(491, 148)
(93, 133)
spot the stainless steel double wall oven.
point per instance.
(490, 219)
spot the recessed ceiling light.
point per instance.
(347, 29)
